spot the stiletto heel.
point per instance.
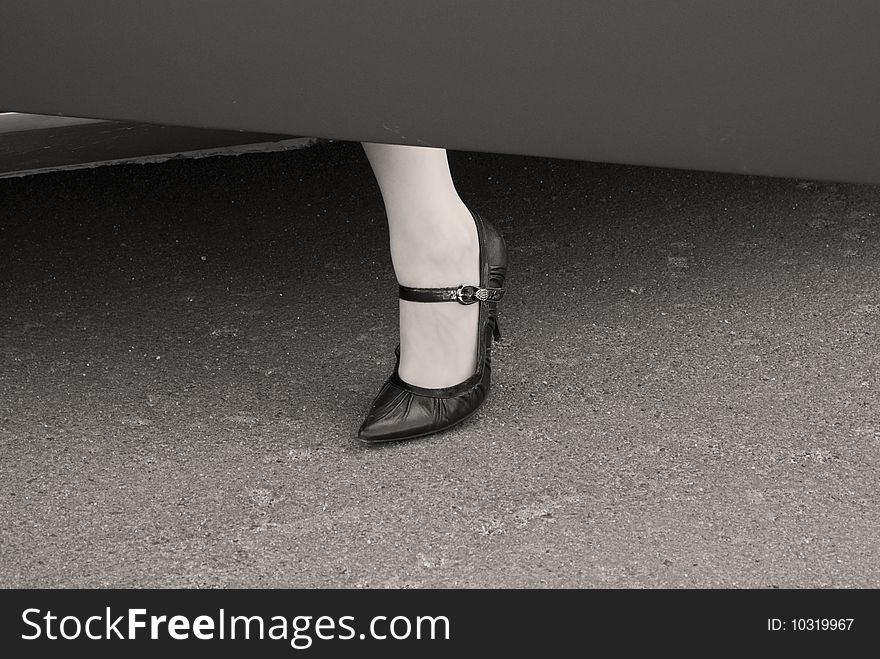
(405, 411)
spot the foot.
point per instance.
(438, 341)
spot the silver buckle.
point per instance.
(472, 292)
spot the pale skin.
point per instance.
(433, 244)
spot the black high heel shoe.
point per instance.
(405, 411)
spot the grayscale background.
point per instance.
(197, 303)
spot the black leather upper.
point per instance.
(404, 411)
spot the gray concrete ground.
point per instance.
(687, 394)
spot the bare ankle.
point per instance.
(436, 252)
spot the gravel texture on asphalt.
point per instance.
(687, 394)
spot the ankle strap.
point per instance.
(462, 294)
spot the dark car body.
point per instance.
(773, 87)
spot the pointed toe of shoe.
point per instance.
(395, 414)
(398, 413)
(376, 430)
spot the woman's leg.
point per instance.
(433, 244)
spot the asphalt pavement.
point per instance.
(687, 394)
